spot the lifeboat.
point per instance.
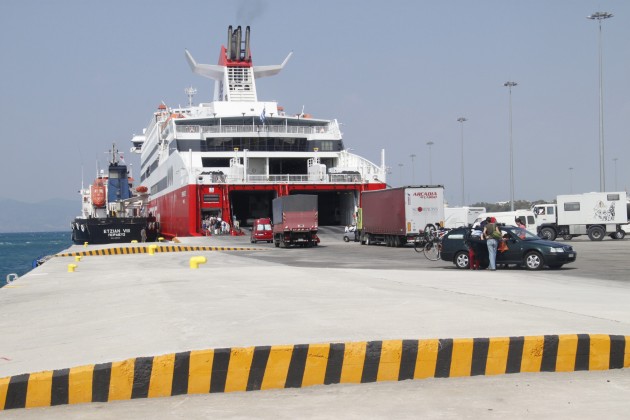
(97, 191)
(141, 189)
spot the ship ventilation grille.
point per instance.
(241, 84)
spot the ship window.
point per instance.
(215, 162)
(326, 146)
(211, 198)
(572, 206)
(612, 197)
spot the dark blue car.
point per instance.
(523, 249)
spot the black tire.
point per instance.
(567, 237)
(461, 260)
(430, 232)
(596, 233)
(548, 233)
(533, 261)
(418, 245)
(368, 240)
(620, 234)
(346, 239)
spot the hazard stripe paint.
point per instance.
(145, 250)
(301, 365)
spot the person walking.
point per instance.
(492, 234)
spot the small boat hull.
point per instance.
(111, 230)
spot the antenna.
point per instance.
(190, 92)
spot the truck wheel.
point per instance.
(461, 260)
(596, 233)
(368, 240)
(567, 237)
(533, 261)
(548, 233)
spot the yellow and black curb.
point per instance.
(301, 365)
(157, 248)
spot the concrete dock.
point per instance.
(115, 308)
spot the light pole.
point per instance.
(571, 180)
(510, 85)
(430, 143)
(615, 160)
(413, 169)
(599, 16)
(462, 120)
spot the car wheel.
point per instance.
(346, 239)
(555, 266)
(620, 234)
(547, 233)
(533, 261)
(596, 233)
(461, 260)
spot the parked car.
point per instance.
(351, 234)
(523, 249)
(261, 231)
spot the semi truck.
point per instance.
(396, 216)
(595, 214)
(295, 220)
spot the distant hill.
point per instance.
(46, 216)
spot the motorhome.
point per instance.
(509, 218)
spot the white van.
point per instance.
(509, 218)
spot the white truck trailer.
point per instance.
(461, 216)
(595, 214)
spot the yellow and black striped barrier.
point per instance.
(158, 248)
(301, 365)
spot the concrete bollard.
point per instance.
(152, 249)
(71, 268)
(195, 261)
(77, 258)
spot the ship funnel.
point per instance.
(229, 41)
(248, 55)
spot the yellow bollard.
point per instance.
(152, 249)
(135, 241)
(71, 268)
(85, 244)
(77, 258)
(195, 261)
(160, 239)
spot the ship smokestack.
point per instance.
(237, 51)
(229, 42)
(248, 56)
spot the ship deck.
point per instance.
(262, 300)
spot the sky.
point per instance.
(79, 75)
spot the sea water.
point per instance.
(19, 250)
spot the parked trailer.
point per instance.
(461, 216)
(595, 214)
(295, 220)
(396, 216)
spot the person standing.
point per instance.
(491, 234)
(143, 235)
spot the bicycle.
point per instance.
(426, 236)
(433, 249)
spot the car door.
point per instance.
(514, 252)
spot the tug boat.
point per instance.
(111, 211)
(231, 157)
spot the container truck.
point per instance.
(295, 220)
(595, 214)
(396, 216)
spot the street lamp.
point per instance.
(510, 85)
(400, 165)
(571, 180)
(413, 170)
(430, 143)
(462, 120)
(615, 160)
(599, 16)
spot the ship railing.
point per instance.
(260, 129)
(294, 179)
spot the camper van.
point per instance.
(509, 218)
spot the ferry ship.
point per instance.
(111, 211)
(231, 157)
